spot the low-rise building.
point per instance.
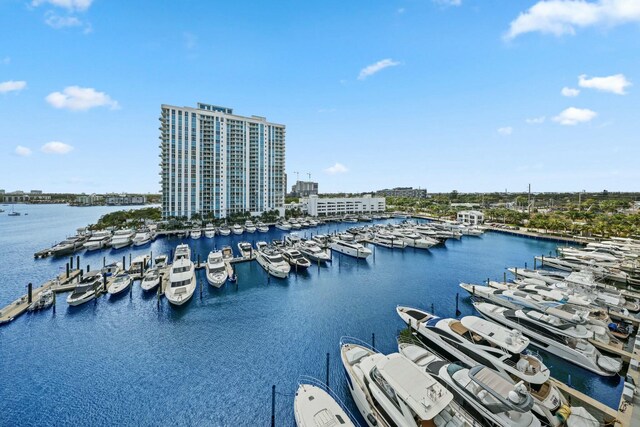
(416, 193)
(330, 206)
(471, 217)
(15, 197)
(125, 199)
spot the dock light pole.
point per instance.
(104, 261)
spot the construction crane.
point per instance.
(297, 175)
(309, 175)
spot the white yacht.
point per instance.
(237, 229)
(195, 234)
(415, 240)
(119, 284)
(68, 246)
(262, 227)
(295, 259)
(249, 227)
(295, 224)
(292, 239)
(575, 350)
(151, 279)
(547, 397)
(224, 230)
(497, 397)
(283, 225)
(98, 240)
(474, 340)
(246, 250)
(227, 253)
(142, 238)
(88, 288)
(182, 277)
(44, 300)
(389, 241)
(271, 260)
(216, 269)
(122, 238)
(209, 231)
(138, 266)
(392, 391)
(160, 261)
(316, 405)
(353, 249)
(314, 252)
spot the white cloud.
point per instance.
(570, 92)
(6, 60)
(56, 147)
(614, 84)
(79, 5)
(572, 116)
(536, 120)
(448, 2)
(336, 169)
(22, 151)
(370, 70)
(79, 98)
(12, 86)
(401, 11)
(57, 22)
(507, 130)
(559, 17)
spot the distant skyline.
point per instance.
(438, 94)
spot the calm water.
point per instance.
(212, 362)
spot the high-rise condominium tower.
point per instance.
(214, 161)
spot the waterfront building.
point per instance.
(416, 193)
(471, 217)
(304, 189)
(218, 163)
(124, 199)
(331, 206)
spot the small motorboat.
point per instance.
(296, 259)
(44, 300)
(151, 279)
(620, 330)
(120, 284)
(224, 230)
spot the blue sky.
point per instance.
(443, 95)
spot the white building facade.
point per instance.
(471, 217)
(331, 206)
(217, 163)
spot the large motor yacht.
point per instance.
(474, 338)
(353, 249)
(122, 238)
(273, 262)
(392, 391)
(182, 277)
(98, 240)
(575, 350)
(216, 269)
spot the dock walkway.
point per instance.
(62, 283)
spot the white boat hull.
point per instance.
(360, 254)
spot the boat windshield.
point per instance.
(274, 258)
(181, 269)
(180, 283)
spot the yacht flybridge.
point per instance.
(392, 391)
(575, 350)
(474, 340)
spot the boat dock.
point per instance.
(62, 283)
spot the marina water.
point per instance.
(124, 361)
